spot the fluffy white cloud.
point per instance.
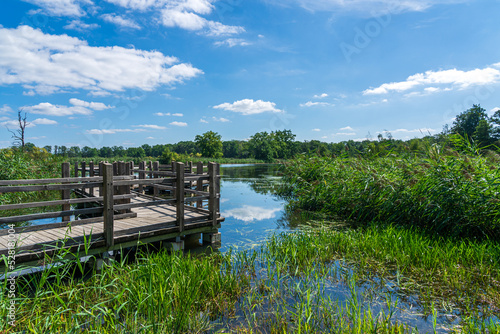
(220, 119)
(80, 26)
(179, 124)
(423, 130)
(30, 124)
(494, 110)
(61, 7)
(320, 96)
(347, 128)
(57, 62)
(46, 108)
(43, 121)
(91, 105)
(203, 121)
(120, 21)
(249, 213)
(316, 130)
(184, 14)
(313, 104)
(5, 109)
(231, 42)
(111, 131)
(454, 78)
(79, 107)
(151, 126)
(249, 107)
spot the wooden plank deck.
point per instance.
(127, 217)
(150, 221)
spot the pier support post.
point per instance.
(156, 168)
(212, 238)
(142, 175)
(214, 190)
(65, 194)
(91, 174)
(199, 183)
(108, 211)
(179, 194)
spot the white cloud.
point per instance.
(249, 213)
(120, 21)
(347, 128)
(111, 131)
(494, 110)
(313, 104)
(29, 124)
(80, 26)
(220, 119)
(203, 121)
(46, 108)
(151, 126)
(168, 114)
(231, 42)
(368, 7)
(179, 124)
(5, 109)
(249, 107)
(91, 105)
(43, 121)
(59, 61)
(194, 22)
(61, 7)
(316, 130)
(454, 78)
(345, 133)
(320, 96)
(150, 138)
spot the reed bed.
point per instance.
(309, 281)
(454, 193)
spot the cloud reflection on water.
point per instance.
(249, 213)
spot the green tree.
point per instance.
(210, 144)
(465, 124)
(105, 152)
(261, 146)
(482, 134)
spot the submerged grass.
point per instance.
(310, 281)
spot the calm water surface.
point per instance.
(250, 210)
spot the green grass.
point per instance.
(315, 280)
(454, 193)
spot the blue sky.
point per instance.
(130, 72)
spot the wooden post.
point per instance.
(179, 185)
(76, 168)
(108, 211)
(156, 168)
(131, 168)
(199, 183)
(142, 175)
(172, 166)
(84, 169)
(214, 188)
(126, 189)
(101, 173)
(91, 174)
(150, 167)
(65, 194)
(190, 167)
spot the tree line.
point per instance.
(474, 124)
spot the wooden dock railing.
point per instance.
(110, 188)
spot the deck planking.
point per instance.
(148, 219)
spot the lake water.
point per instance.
(250, 210)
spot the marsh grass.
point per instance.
(309, 281)
(454, 193)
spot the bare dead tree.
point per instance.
(18, 135)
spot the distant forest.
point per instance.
(473, 124)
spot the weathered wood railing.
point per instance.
(117, 185)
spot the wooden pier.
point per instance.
(118, 206)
